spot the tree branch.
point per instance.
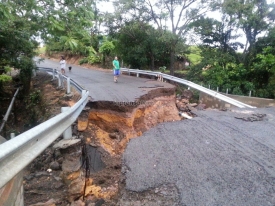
(153, 13)
(182, 9)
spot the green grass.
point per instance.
(41, 50)
(176, 71)
(181, 71)
(165, 71)
(195, 55)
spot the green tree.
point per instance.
(17, 38)
(141, 46)
(165, 14)
(219, 43)
(252, 17)
(264, 72)
(68, 27)
(106, 48)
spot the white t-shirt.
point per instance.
(62, 64)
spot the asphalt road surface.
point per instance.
(216, 158)
(101, 86)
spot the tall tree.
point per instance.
(141, 45)
(68, 25)
(219, 41)
(17, 41)
(252, 17)
(166, 15)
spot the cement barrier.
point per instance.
(212, 102)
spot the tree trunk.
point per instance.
(152, 63)
(104, 60)
(26, 86)
(172, 60)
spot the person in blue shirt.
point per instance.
(116, 69)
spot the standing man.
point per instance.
(62, 65)
(116, 69)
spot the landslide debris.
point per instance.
(87, 169)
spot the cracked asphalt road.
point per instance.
(213, 159)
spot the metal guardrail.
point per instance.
(58, 75)
(191, 84)
(18, 152)
(5, 119)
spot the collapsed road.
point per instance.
(217, 158)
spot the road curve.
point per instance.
(101, 86)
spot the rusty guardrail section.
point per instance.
(215, 94)
(18, 152)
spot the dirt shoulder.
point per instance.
(71, 61)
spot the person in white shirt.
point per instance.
(62, 64)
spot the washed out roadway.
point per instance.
(214, 159)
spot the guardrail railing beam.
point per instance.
(21, 150)
(162, 76)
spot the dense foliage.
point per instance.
(230, 64)
(149, 35)
(16, 40)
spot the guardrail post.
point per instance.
(53, 74)
(67, 134)
(160, 77)
(188, 88)
(209, 86)
(227, 91)
(59, 81)
(250, 93)
(34, 73)
(217, 89)
(83, 93)
(137, 74)
(68, 85)
(12, 135)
